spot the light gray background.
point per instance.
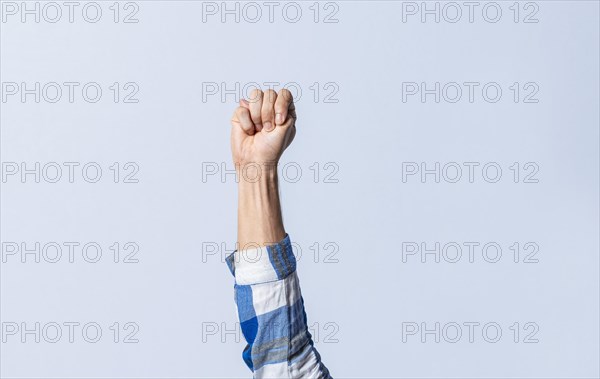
(171, 293)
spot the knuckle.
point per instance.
(241, 111)
(255, 95)
(286, 94)
(270, 96)
(237, 113)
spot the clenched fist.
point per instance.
(262, 127)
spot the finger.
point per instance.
(244, 103)
(282, 105)
(242, 118)
(267, 113)
(255, 102)
(291, 116)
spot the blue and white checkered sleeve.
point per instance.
(271, 312)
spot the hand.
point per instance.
(263, 127)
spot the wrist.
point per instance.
(254, 173)
(259, 212)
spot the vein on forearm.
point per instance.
(259, 210)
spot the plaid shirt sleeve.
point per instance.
(271, 313)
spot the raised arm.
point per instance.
(267, 291)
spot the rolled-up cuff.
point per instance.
(262, 264)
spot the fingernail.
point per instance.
(268, 126)
(278, 119)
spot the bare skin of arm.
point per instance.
(267, 291)
(262, 128)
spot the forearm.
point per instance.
(259, 210)
(267, 290)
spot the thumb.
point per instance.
(241, 125)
